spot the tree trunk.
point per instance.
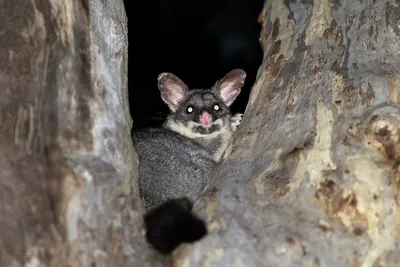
(312, 177)
(68, 182)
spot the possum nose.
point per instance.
(205, 119)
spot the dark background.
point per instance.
(198, 40)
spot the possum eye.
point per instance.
(216, 107)
(189, 109)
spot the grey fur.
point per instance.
(176, 160)
(171, 166)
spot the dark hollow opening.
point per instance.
(199, 41)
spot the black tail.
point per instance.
(173, 223)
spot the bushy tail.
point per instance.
(173, 223)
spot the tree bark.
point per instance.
(68, 182)
(312, 176)
(310, 179)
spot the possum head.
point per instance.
(200, 112)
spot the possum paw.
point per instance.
(235, 121)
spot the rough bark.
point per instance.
(68, 181)
(312, 177)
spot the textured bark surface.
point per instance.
(68, 173)
(312, 177)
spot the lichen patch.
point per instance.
(320, 20)
(337, 86)
(318, 158)
(217, 224)
(394, 97)
(284, 34)
(238, 263)
(369, 178)
(213, 256)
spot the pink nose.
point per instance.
(205, 119)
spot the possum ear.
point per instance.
(173, 90)
(228, 88)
